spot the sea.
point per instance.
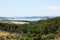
(27, 18)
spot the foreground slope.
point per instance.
(39, 30)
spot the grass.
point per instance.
(4, 21)
(8, 36)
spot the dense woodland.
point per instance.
(38, 30)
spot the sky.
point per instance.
(22, 8)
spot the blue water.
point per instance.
(27, 19)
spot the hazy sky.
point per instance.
(14, 8)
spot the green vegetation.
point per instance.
(39, 30)
(4, 21)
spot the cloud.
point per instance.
(50, 8)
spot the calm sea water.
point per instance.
(26, 19)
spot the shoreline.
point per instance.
(19, 22)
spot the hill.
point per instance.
(48, 29)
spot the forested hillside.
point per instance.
(39, 30)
